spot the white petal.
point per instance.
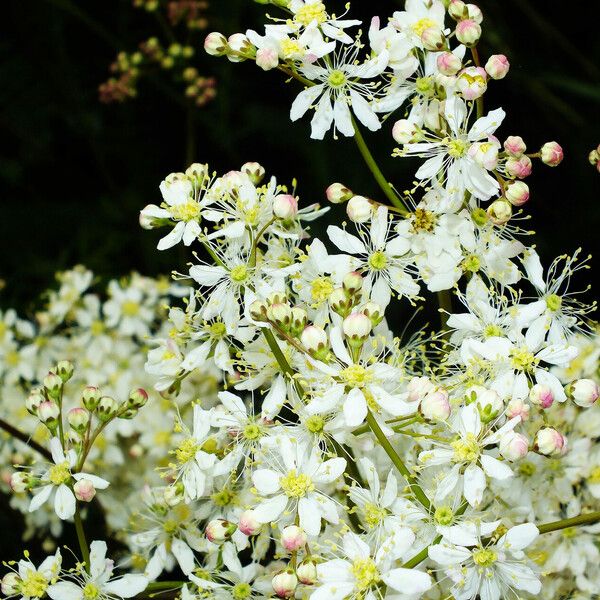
(269, 510)
(127, 586)
(519, 537)
(303, 101)
(97, 558)
(65, 590)
(330, 470)
(172, 238)
(184, 555)
(58, 456)
(40, 497)
(345, 241)
(495, 468)
(64, 502)
(309, 515)
(364, 112)
(355, 408)
(355, 547)
(342, 118)
(445, 555)
(474, 485)
(408, 581)
(266, 481)
(207, 275)
(98, 482)
(322, 119)
(485, 126)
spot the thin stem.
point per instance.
(585, 519)
(19, 435)
(479, 101)
(83, 546)
(281, 359)
(395, 458)
(376, 171)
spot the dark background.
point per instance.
(74, 173)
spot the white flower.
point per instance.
(417, 16)
(359, 573)
(58, 480)
(491, 572)
(297, 481)
(128, 309)
(99, 583)
(32, 582)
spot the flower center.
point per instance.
(33, 585)
(337, 78)
(424, 86)
(321, 289)
(492, 331)
(130, 308)
(594, 477)
(378, 261)
(527, 469)
(374, 514)
(170, 526)
(457, 148)
(553, 302)
(479, 216)
(523, 360)
(239, 274)
(59, 474)
(187, 450)
(223, 498)
(187, 211)
(290, 48)
(423, 220)
(466, 449)
(296, 486)
(422, 24)
(443, 515)
(365, 573)
(217, 330)
(252, 431)
(315, 424)
(311, 12)
(91, 591)
(240, 591)
(484, 558)
(356, 376)
(472, 263)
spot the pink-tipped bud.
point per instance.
(418, 388)
(90, 397)
(78, 419)
(497, 66)
(307, 572)
(404, 131)
(219, 531)
(448, 63)
(137, 398)
(352, 283)
(514, 446)
(458, 10)
(519, 167)
(475, 13)
(248, 524)
(53, 384)
(48, 413)
(357, 328)
(293, 538)
(285, 206)
(267, 59)
(33, 401)
(468, 32)
(550, 442)
(552, 154)
(518, 408)
(314, 339)
(517, 193)
(11, 585)
(19, 482)
(584, 392)
(285, 584)
(515, 146)
(359, 209)
(341, 302)
(500, 211)
(107, 408)
(472, 83)
(374, 312)
(435, 406)
(433, 39)
(255, 171)
(215, 44)
(338, 193)
(84, 490)
(238, 47)
(541, 395)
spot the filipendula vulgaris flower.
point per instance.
(417, 16)
(129, 309)
(466, 457)
(450, 154)
(492, 571)
(341, 87)
(58, 481)
(28, 582)
(382, 257)
(360, 572)
(99, 583)
(293, 484)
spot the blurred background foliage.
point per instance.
(74, 172)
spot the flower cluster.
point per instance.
(341, 459)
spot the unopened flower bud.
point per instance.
(338, 193)
(515, 146)
(48, 413)
(33, 401)
(307, 572)
(285, 206)
(550, 442)
(285, 584)
(267, 58)
(418, 388)
(458, 10)
(489, 404)
(107, 408)
(500, 211)
(64, 369)
(584, 392)
(53, 384)
(497, 66)
(359, 209)
(433, 39)
(90, 397)
(173, 495)
(215, 44)
(519, 167)
(219, 531)
(518, 408)
(281, 315)
(517, 193)
(314, 339)
(340, 302)
(19, 482)
(374, 312)
(299, 319)
(239, 47)
(352, 283)
(293, 538)
(137, 398)
(468, 32)
(197, 172)
(404, 131)
(357, 328)
(513, 445)
(255, 172)
(551, 154)
(475, 13)
(11, 585)
(149, 219)
(448, 63)
(277, 298)
(435, 406)
(472, 83)
(248, 524)
(258, 310)
(541, 395)
(128, 414)
(78, 419)
(84, 490)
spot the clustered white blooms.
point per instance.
(338, 460)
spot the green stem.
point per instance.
(85, 551)
(22, 437)
(585, 519)
(376, 171)
(395, 458)
(479, 101)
